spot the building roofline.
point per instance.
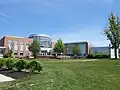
(16, 37)
(39, 35)
(101, 47)
(77, 42)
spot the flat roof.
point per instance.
(42, 35)
(76, 42)
(16, 37)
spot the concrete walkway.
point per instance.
(5, 78)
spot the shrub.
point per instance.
(9, 63)
(34, 66)
(20, 64)
(101, 55)
(98, 56)
(2, 62)
(90, 56)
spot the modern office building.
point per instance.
(45, 43)
(105, 50)
(84, 48)
(19, 45)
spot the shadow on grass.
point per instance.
(14, 74)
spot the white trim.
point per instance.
(2, 47)
(15, 36)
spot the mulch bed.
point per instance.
(14, 74)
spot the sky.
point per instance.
(69, 20)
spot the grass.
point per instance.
(71, 75)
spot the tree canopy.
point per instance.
(76, 50)
(59, 47)
(35, 48)
(113, 32)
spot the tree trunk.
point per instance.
(115, 51)
(35, 56)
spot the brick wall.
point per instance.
(18, 39)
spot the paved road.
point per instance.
(5, 78)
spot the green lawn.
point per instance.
(71, 75)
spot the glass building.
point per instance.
(84, 48)
(45, 42)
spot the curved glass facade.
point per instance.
(45, 41)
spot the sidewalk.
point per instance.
(5, 78)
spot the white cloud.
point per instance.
(4, 15)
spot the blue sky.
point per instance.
(70, 20)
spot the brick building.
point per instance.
(19, 45)
(53, 44)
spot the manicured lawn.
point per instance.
(71, 75)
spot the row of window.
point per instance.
(44, 41)
(40, 38)
(15, 43)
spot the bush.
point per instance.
(34, 66)
(98, 56)
(90, 56)
(2, 62)
(101, 55)
(20, 64)
(9, 63)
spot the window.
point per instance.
(1, 51)
(21, 54)
(10, 44)
(21, 46)
(21, 42)
(41, 46)
(27, 46)
(15, 48)
(16, 45)
(15, 54)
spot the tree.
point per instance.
(76, 50)
(59, 46)
(35, 48)
(113, 32)
(10, 52)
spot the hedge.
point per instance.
(98, 56)
(20, 64)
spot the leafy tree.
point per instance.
(35, 48)
(59, 47)
(76, 50)
(113, 32)
(10, 52)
